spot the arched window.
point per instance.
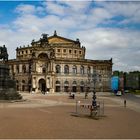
(74, 70)
(82, 69)
(74, 83)
(17, 68)
(24, 69)
(58, 69)
(66, 69)
(43, 56)
(82, 86)
(66, 86)
(57, 86)
(74, 86)
(82, 83)
(88, 70)
(57, 82)
(23, 85)
(66, 83)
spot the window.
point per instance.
(24, 69)
(26, 51)
(74, 83)
(66, 69)
(88, 70)
(75, 51)
(74, 86)
(58, 50)
(74, 70)
(58, 69)
(57, 86)
(66, 83)
(57, 82)
(82, 69)
(17, 68)
(64, 50)
(82, 86)
(22, 52)
(79, 52)
(69, 51)
(82, 83)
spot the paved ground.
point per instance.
(47, 116)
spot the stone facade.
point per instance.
(58, 64)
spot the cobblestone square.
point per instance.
(50, 116)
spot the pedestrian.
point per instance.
(124, 103)
(73, 95)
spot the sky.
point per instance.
(108, 29)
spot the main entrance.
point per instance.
(42, 85)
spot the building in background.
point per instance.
(57, 64)
(128, 80)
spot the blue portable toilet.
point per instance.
(115, 84)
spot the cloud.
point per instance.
(105, 43)
(65, 8)
(81, 20)
(130, 11)
(25, 9)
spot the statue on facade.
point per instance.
(44, 40)
(52, 54)
(3, 53)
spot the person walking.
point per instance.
(124, 103)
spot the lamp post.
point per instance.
(93, 79)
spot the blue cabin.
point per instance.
(115, 84)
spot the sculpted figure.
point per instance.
(3, 53)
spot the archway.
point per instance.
(42, 85)
(74, 86)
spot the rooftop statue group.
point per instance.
(3, 53)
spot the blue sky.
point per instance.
(106, 29)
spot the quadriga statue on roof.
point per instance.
(3, 53)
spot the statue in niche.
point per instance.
(52, 54)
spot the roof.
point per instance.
(59, 39)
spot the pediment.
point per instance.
(57, 39)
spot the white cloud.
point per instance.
(77, 20)
(129, 10)
(25, 9)
(121, 45)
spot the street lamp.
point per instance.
(93, 79)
